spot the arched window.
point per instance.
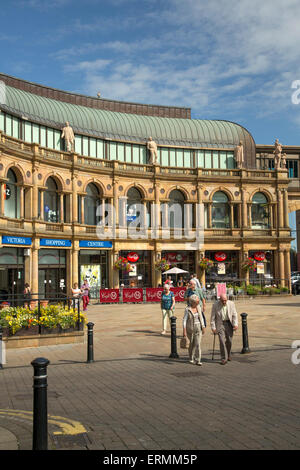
(134, 200)
(12, 196)
(260, 211)
(91, 202)
(220, 213)
(176, 209)
(51, 201)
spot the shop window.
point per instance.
(220, 214)
(260, 212)
(91, 202)
(140, 276)
(12, 196)
(133, 208)
(51, 201)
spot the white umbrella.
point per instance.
(175, 271)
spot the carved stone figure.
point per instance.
(239, 155)
(152, 147)
(283, 161)
(277, 154)
(68, 135)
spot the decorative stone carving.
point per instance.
(152, 147)
(68, 135)
(239, 155)
(283, 161)
(277, 154)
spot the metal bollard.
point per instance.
(173, 339)
(40, 414)
(1, 346)
(90, 347)
(245, 349)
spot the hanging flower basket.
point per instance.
(205, 264)
(249, 265)
(122, 263)
(162, 265)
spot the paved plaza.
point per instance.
(135, 397)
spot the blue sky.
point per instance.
(226, 59)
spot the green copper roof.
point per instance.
(127, 127)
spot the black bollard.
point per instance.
(1, 346)
(40, 418)
(245, 349)
(90, 350)
(173, 339)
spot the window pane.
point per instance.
(207, 163)
(85, 146)
(128, 153)
(27, 131)
(172, 157)
(230, 161)
(8, 125)
(16, 128)
(100, 148)
(164, 157)
(200, 158)
(43, 136)
(2, 122)
(113, 150)
(187, 159)
(50, 138)
(93, 148)
(35, 133)
(121, 152)
(223, 160)
(136, 153)
(179, 155)
(57, 140)
(78, 144)
(143, 154)
(215, 159)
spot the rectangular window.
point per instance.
(230, 161)
(121, 152)
(128, 153)
(85, 146)
(93, 148)
(136, 153)
(35, 133)
(27, 131)
(164, 155)
(216, 160)
(78, 148)
(43, 137)
(223, 160)
(100, 149)
(113, 151)
(8, 125)
(50, 138)
(2, 115)
(207, 162)
(187, 159)
(179, 157)
(143, 154)
(172, 157)
(15, 128)
(200, 158)
(56, 136)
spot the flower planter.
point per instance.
(50, 331)
(33, 330)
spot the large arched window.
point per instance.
(134, 201)
(51, 201)
(220, 213)
(260, 212)
(91, 202)
(176, 209)
(12, 196)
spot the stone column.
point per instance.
(202, 278)
(2, 199)
(244, 209)
(35, 267)
(281, 268)
(82, 209)
(42, 213)
(115, 203)
(286, 208)
(280, 208)
(21, 202)
(249, 206)
(35, 195)
(231, 216)
(209, 215)
(74, 200)
(287, 263)
(75, 262)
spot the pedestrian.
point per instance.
(193, 290)
(180, 282)
(224, 322)
(194, 328)
(76, 293)
(27, 295)
(167, 306)
(194, 278)
(169, 281)
(85, 294)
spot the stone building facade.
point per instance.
(67, 215)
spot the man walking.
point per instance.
(224, 322)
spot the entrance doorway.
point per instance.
(11, 285)
(52, 282)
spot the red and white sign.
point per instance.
(179, 293)
(220, 256)
(153, 294)
(259, 256)
(133, 257)
(174, 257)
(109, 295)
(133, 295)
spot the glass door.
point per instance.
(52, 283)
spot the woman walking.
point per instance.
(194, 328)
(27, 295)
(167, 307)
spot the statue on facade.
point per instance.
(152, 147)
(283, 161)
(277, 154)
(239, 155)
(68, 135)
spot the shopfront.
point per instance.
(181, 259)
(53, 282)
(12, 268)
(93, 264)
(225, 267)
(264, 273)
(140, 276)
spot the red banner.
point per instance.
(109, 295)
(179, 293)
(133, 295)
(153, 294)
